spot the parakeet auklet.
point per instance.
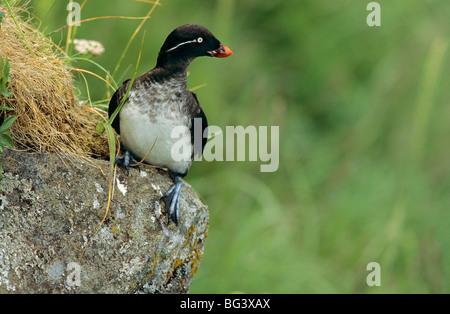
(159, 101)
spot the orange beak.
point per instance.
(221, 52)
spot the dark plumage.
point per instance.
(159, 101)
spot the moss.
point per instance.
(195, 253)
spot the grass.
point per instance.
(18, 28)
(363, 115)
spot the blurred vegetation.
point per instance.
(364, 148)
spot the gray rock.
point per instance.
(51, 205)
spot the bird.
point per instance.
(158, 101)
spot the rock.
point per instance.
(51, 205)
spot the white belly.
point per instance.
(138, 132)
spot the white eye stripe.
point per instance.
(198, 40)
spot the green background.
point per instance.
(364, 137)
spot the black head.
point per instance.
(188, 42)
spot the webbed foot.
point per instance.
(172, 199)
(126, 161)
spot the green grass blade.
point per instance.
(133, 36)
(113, 82)
(116, 112)
(18, 27)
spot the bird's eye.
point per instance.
(200, 40)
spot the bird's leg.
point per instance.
(172, 199)
(126, 161)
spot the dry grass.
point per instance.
(49, 118)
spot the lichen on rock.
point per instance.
(51, 204)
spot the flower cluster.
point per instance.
(85, 46)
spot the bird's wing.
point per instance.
(115, 102)
(199, 145)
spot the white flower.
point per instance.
(84, 46)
